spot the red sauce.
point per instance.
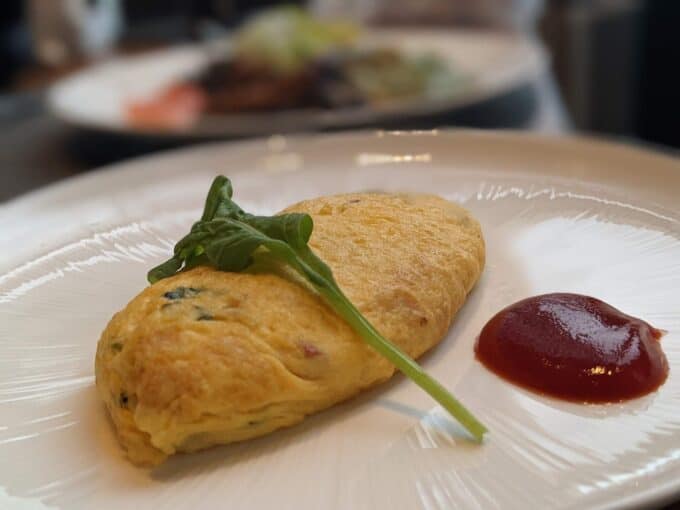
(573, 347)
(176, 107)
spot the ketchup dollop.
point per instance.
(573, 347)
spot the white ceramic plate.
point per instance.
(493, 63)
(558, 215)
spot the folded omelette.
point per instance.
(208, 357)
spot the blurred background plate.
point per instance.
(492, 62)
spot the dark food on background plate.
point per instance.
(285, 59)
(574, 347)
(246, 330)
(339, 80)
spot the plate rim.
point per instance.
(593, 141)
(108, 175)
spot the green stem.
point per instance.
(402, 361)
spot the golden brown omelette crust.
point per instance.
(209, 357)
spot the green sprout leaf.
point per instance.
(227, 238)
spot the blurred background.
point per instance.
(258, 68)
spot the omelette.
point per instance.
(209, 357)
